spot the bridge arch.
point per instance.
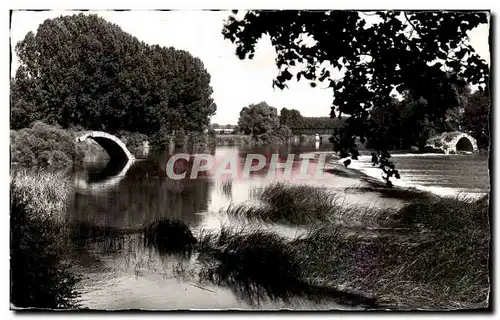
(453, 142)
(463, 142)
(114, 147)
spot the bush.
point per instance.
(169, 236)
(179, 138)
(133, 140)
(44, 146)
(40, 277)
(197, 138)
(161, 140)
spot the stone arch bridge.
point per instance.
(453, 142)
(114, 147)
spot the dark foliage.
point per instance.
(422, 54)
(170, 236)
(293, 119)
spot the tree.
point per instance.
(403, 123)
(422, 54)
(257, 119)
(81, 70)
(262, 122)
(475, 117)
(290, 118)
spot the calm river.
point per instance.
(123, 274)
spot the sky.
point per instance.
(236, 83)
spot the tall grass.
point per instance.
(440, 261)
(292, 204)
(40, 275)
(258, 264)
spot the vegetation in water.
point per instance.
(425, 255)
(292, 204)
(169, 236)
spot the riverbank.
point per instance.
(116, 234)
(424, 255)
(438, 174)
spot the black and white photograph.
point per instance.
(251, 160)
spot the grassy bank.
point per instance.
(432, 253)
(40, 275)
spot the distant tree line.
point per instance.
(402, 124)
(225, 126)
(82, 71)
(293, 119)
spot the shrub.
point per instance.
(44, 146)
(169, 236)
(133, 140)
(179, 138)
(161, 140)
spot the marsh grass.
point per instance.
(83, 233)
(227, 188)
(40, 194)
(432, 253)
(292, 204)
(233, 139)
(258, 265)
(40, 275)
(169, 236)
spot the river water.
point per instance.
(123, 274)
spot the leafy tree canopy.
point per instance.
(366, 57)
(83, 71)
(262, 122)
(257, 119)
(403, 124)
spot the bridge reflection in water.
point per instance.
(103, 180)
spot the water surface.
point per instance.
(121, 273)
